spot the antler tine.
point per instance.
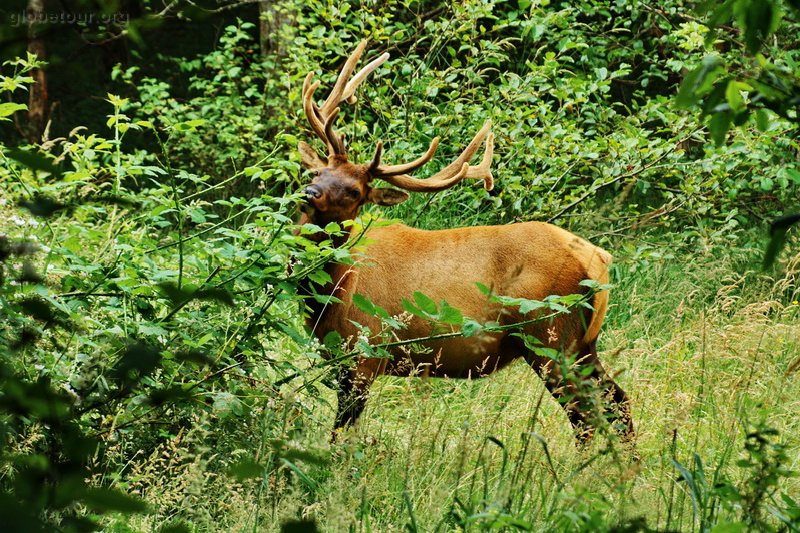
(336, 97)
(404, 181)
(376, 159)
(455, 171)
(380, 171)
(322, 118)
(483, 171)
(335, 142)
(349, 91)
(311, 110)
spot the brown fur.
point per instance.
(531, 260)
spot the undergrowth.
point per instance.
(712, 376)
(156, 374)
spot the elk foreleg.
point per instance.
(354, 383)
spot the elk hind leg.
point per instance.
(571, 385)
(618, 413)
(565, 392)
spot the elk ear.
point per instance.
(309, 157)
(387, 196)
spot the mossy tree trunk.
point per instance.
(38, 100)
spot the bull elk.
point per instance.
(526, 260)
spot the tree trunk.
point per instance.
(38, 100)
(273, 17)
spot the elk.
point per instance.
(530, 260)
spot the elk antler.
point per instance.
(322, 118)
(447, 177)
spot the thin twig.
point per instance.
(621, 177)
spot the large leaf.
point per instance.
(777, 239)
(32, 160)
(9, 108)
(699, 81)
(758, 18)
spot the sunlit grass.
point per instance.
(700, 373)
(708, 349)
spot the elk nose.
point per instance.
(312, 192)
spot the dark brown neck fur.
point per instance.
(334, 270)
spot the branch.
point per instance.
(621, 177)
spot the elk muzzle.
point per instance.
(312, 192)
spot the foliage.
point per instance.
(154, 372)
(732, 88)
(115, 337)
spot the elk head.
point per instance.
(339, 187)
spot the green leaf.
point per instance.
(427, 305)
(217, 294)
(188, 125)
(544, 351)
(196, 357)
(247, 469)
(450, 315)
(288, 451)
(326, 299)
(411, 308)
(310, 483)
(138, 360)
(38, 309)
(167, 395)
(291, 332)
(9, 108)
(758, 19)
(762, 120)
(777, 239)
(471, 327)
(527, 306)
(42, 206)
(601, 73)
(688, 477)
(175, 294)
(32, 160)
(484, 289)
(719, 125)
(699, 81)
(333, 340)
(364, 304)
(320, 277)
(226, 404)
(150, 329)
(733, 95)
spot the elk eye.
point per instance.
(351, 193)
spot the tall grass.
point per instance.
(708, 349)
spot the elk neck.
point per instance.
(336, 271)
